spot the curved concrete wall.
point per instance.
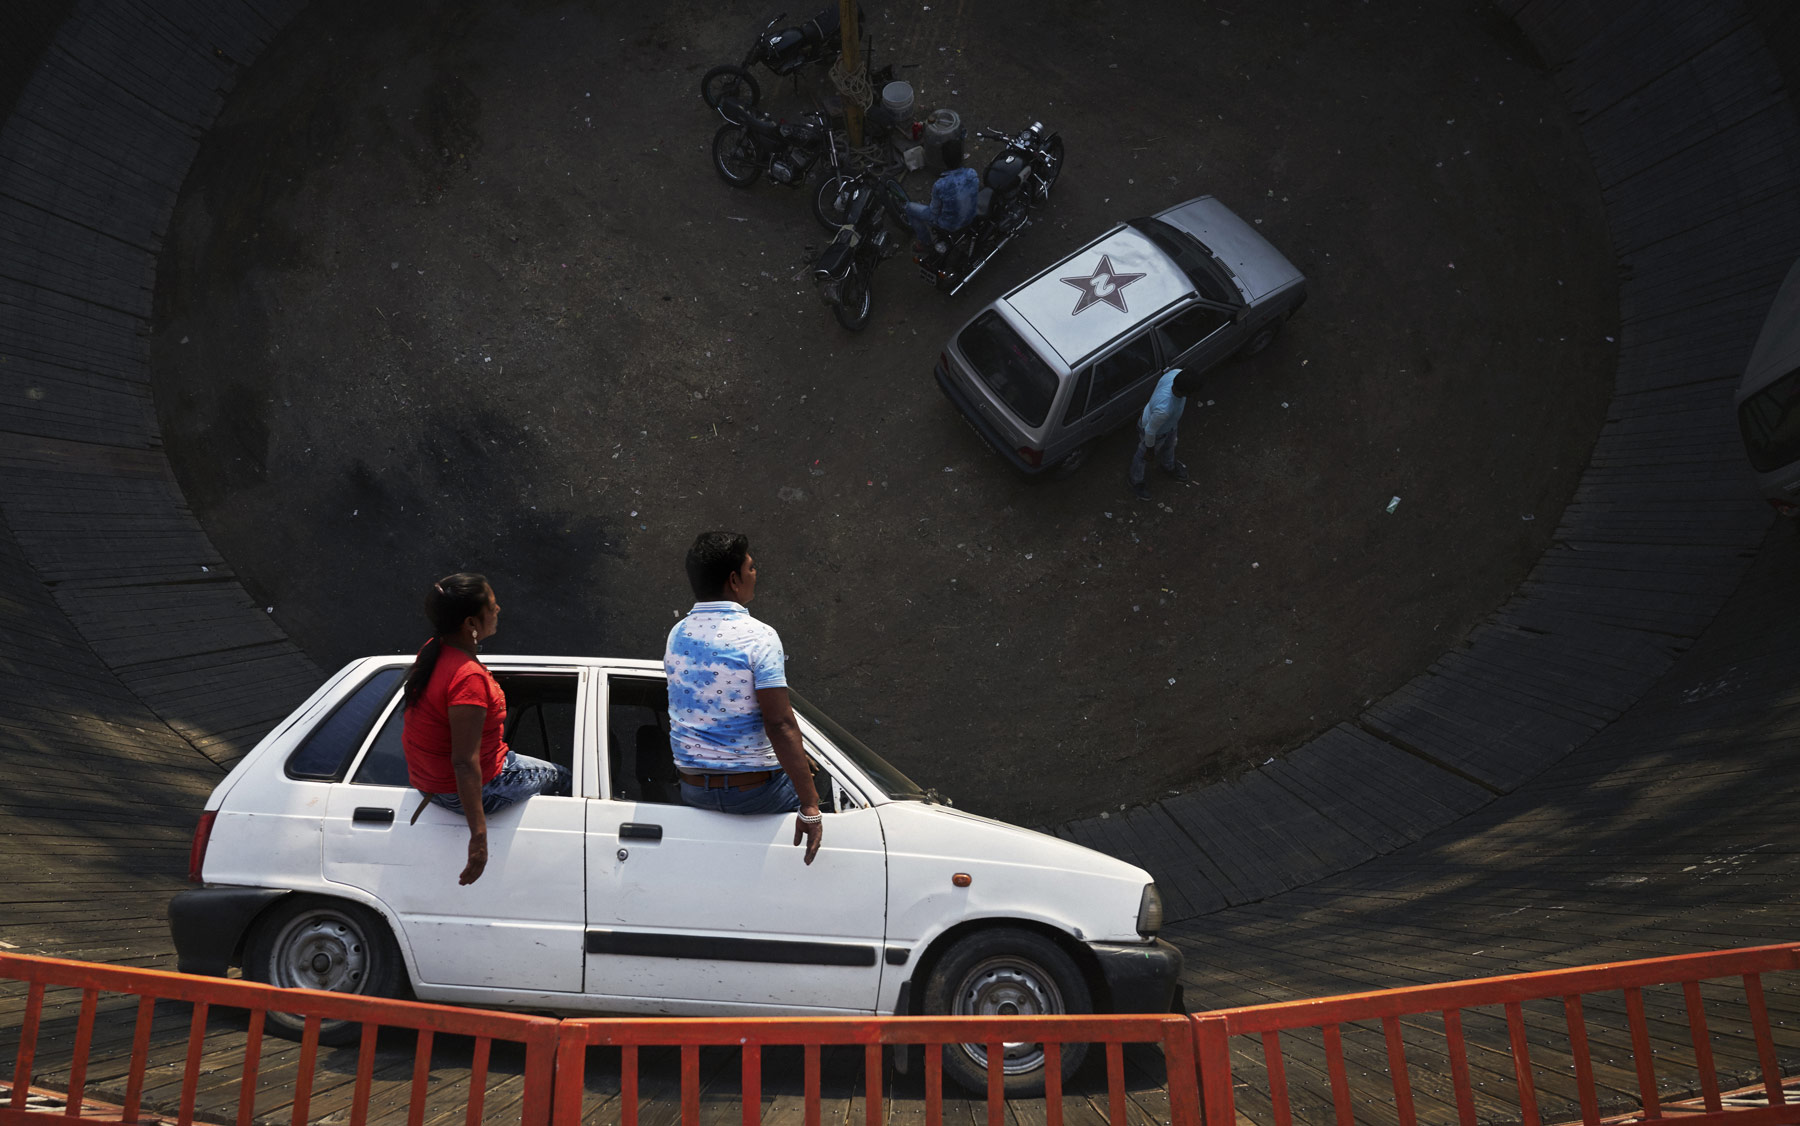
(1693, 139)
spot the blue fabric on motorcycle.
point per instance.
(953, 199)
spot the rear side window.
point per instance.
(1079, 398)
(1190, 328)
(540, 723)
(1012, 371)
(325, 753)
(1770, 420)
(1124, 369)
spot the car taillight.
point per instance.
(1033, 458)
(197, 854)
(944, 361)
(1782, 507)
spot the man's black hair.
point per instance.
(1187, 381)
(713, 559)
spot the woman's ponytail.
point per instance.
(450, 602)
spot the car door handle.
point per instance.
(368, 814)
(634, 831)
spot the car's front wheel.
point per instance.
(310, 942)
(1007, 972)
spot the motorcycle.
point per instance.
(845, 272)
(781, 52)
(1016, 181)
(752, 142)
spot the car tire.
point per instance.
(1260, 342)
(1006, 971)
(311, 942)
(1072, 461)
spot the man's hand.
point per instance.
(478, 858)
(812, 831)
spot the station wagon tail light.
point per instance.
(1150, 912)
(197, 854)
(1031, 457)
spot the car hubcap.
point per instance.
(321, 952)
(1008, 987)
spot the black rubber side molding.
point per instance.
(719, 949)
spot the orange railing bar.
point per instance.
(536, 1034)
(1390, 1006)
(752, 1034)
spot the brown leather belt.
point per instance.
(744, 781)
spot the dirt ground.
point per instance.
(453, 285)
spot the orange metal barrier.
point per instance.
(752, 1035)
(1452, 1002)
(536, 1034)
(1653, 1013)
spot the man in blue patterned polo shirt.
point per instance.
(731, 725)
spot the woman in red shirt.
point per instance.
(456, 752)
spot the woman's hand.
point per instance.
(477, 856)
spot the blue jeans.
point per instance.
(520, 777)
(1164, 449)
(774, 796)
(919, 216)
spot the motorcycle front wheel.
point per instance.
(855, 302)
(734, 156)
(825, 202)
(1049, 168)
(728, 81)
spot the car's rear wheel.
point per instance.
(1264, 337)
(1007, 972)
(310, 942)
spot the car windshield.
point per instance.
(1770, 420)
(1193, 259)
(1010, 369)
(878, 770)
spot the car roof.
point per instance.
(1099, 293)
(1777, 350)
(1259, 268)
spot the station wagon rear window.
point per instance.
(1012, 371)
(1770, 420)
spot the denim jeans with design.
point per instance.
(774, 796)
(520, 777)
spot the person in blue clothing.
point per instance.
(953, 196)
(1157, 430)
(732, 729)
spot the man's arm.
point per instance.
(784, 733)
(466, 722)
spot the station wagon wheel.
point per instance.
(1264, 337)
(309, 942)
(1007, 972)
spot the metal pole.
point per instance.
(847, 25)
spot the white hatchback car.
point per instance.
(621, 900)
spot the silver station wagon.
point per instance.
(1077, 350)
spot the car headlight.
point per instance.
(1150, 912)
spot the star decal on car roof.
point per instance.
(1103, 285)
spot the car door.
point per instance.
(520, 925)
(1123, 381)
(694, 911)
(1196, 338)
